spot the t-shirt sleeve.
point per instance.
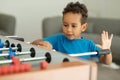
(51, 39)
(94, 48)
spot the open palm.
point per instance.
(106, 40)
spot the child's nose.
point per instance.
(69, 28)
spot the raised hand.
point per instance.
(106, 44)
(106, 40)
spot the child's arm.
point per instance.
(106, 44)
(43, 44)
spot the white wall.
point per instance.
(103, 8)
(30, 13)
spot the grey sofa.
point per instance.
(7, 24)
(52, 25)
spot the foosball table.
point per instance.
(23, 61)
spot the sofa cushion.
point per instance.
(110, 25)
(115, 47)
(92, 36)
(52, 25)
(90, 27)
(7, 24)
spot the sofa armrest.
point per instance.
(7, 24)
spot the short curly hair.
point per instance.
(77, 8)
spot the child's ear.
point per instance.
(84, 27)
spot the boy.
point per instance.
(74, 23)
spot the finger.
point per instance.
(103, 35)
(106, 34)
(42, 43)
(45, 43)
(98, 45)
(45, 46)
(111, 36)
(35, 43)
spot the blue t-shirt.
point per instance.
(62, 44)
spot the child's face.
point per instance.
(72, 27)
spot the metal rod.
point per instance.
(32, 59)
(5, 61)
(17, 53)
(23, 60)
(23, 53)
(6, 49)
(11, 36)
(5, 54)
(84, 54)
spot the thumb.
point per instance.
(98, 45)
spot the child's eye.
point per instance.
(74, 26)
(65, 25)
